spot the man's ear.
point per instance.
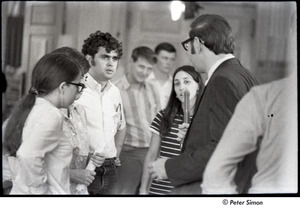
(62, 87)
(198, 47)
(90, 59)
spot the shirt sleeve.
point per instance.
(239, 139)
(44, 138)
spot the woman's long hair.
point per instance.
(174, 104)
(49, 72)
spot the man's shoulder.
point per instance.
(234, 72)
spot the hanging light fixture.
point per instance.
(177, 8)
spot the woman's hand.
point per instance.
(97, 159)
(182, 131)
(82, 176)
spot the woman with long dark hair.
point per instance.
(40, 153)
(168, 128)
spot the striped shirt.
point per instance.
(169, 148)
(140, 107)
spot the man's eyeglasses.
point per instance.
(185, 44)
(80, 86)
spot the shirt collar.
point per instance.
(216, 65)
(126, 83)
(94, 85)
(152, 76)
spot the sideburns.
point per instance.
(193, 51)
(93, 61)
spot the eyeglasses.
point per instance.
(185, 44)
(80, 86)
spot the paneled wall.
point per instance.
(42, 26)
(84, 18)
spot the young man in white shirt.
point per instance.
(104, 109)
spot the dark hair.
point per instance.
(174, 105)
(215, 31)
(144, 52)
(76, 56)
(49, 72)
(166, 47)
(95, 40)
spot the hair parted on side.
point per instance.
(215, 31)
(166, 47)
(99, 39)
(145, 52)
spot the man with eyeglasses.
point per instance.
(210, 48)
(102, 102)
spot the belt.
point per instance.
(109, 162)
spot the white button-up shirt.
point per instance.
(104, 111)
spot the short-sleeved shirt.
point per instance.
(105, 116)
(169, 148)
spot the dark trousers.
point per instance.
(105, 178)
(130, 172)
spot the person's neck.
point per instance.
(133, 83)
(161, 76)
(102, 82)
(53, 99)
(211, 60)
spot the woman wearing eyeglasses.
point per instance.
(39, 151)
(75, 129)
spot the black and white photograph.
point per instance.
(150, 100)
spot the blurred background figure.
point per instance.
(161, 75)
(141, 103)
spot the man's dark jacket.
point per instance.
(228, 84)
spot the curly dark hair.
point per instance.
(95, 40)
